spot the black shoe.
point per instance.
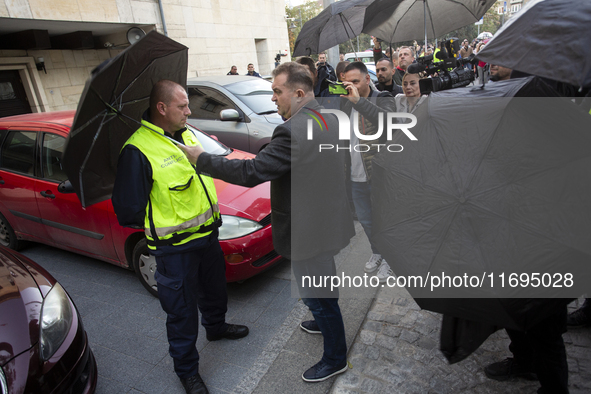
(310, 327)
(508, 368)
(234, 331)
(579, 318)
(322, 371)
(194, 385)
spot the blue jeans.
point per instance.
(324, 305)
(361, 192)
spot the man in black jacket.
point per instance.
(324, 71)
(385, 74)
(322, 224)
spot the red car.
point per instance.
(43, 346)
(38, 203)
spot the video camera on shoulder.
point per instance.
(451, 71)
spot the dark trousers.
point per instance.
(324, 306)
(543, 347)
(189, 281)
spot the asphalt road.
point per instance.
(126, 325)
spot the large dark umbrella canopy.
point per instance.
(404, 20)
(110, 109)
(493, 185)
(548, 38)
(337, 23)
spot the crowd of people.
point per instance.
(538, 354)
(184, 237)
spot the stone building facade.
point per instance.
(74, 36)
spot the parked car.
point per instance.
(237, 110)
(365, 56)
(43, 345)
(37, 203)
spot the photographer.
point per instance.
(362, 104)
(323, 71)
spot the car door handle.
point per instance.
(48, 194)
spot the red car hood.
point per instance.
(20, 306)
(251, 203)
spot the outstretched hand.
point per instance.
(192, 152)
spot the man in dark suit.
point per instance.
(322, 223)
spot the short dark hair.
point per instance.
(341, 67)
(308, 62)
(163, 91)
(386, 59)
(298, 76)
(250, 64)
(356, 66)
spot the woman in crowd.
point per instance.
(411, 98)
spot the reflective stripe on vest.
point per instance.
(195, 222)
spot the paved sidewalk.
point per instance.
(393, 345)
(397, 351)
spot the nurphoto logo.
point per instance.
(394, 121)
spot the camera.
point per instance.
(451, 70)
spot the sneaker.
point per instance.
(373, 263)
(579, 318)
(322, 371)
(508, 368)
(310, 327)
(384, 272)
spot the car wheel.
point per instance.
(144, 265)
(7, 235)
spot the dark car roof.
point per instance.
(64, 118)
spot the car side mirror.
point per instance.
(66, 187)
(230, 115)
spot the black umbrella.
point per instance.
(495, 188)
(404, 20)
(337, 23)
(110, 109)
(549, 38)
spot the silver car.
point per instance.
(237, 110)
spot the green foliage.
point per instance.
(301, 15)
(491, 23)
(351, 45)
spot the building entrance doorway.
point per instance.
(13, 98)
